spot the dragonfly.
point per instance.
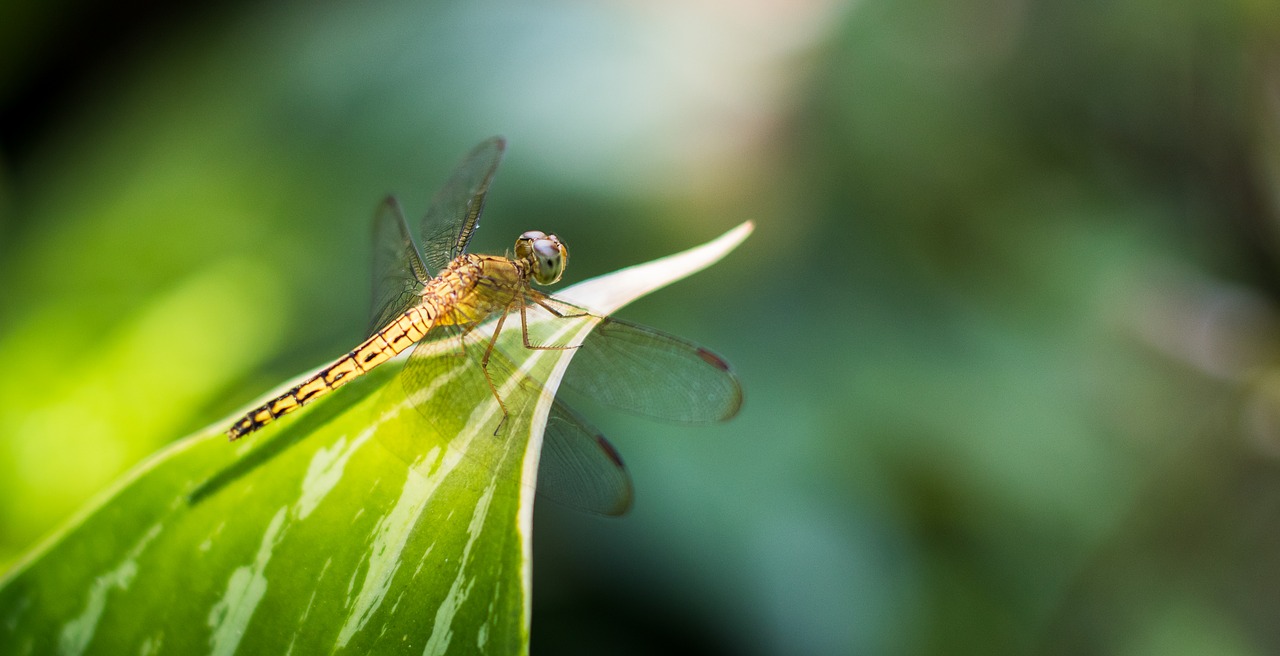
(433, 290)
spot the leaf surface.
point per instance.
(379, 519)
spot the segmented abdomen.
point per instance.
(383, 345)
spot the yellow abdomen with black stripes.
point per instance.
(471, 289)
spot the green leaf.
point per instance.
(313, 535)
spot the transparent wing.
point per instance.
(398, 273)
(579, 468)
(648, 372)
(398, 269)
(442, 376)
(455, 210)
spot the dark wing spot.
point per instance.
(608, 449)
(713, 359)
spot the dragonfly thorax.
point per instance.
(543, 255)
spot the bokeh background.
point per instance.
(1007, 326)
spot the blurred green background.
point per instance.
(1007, 325)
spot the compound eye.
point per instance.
(524, 244)
(549, 257)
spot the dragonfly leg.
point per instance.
(537, 298)
(462, 340)
(484, 367)
(524, 323)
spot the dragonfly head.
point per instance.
(546, 255)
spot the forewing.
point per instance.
(648, 372)
(398, 273)
(455, 210)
